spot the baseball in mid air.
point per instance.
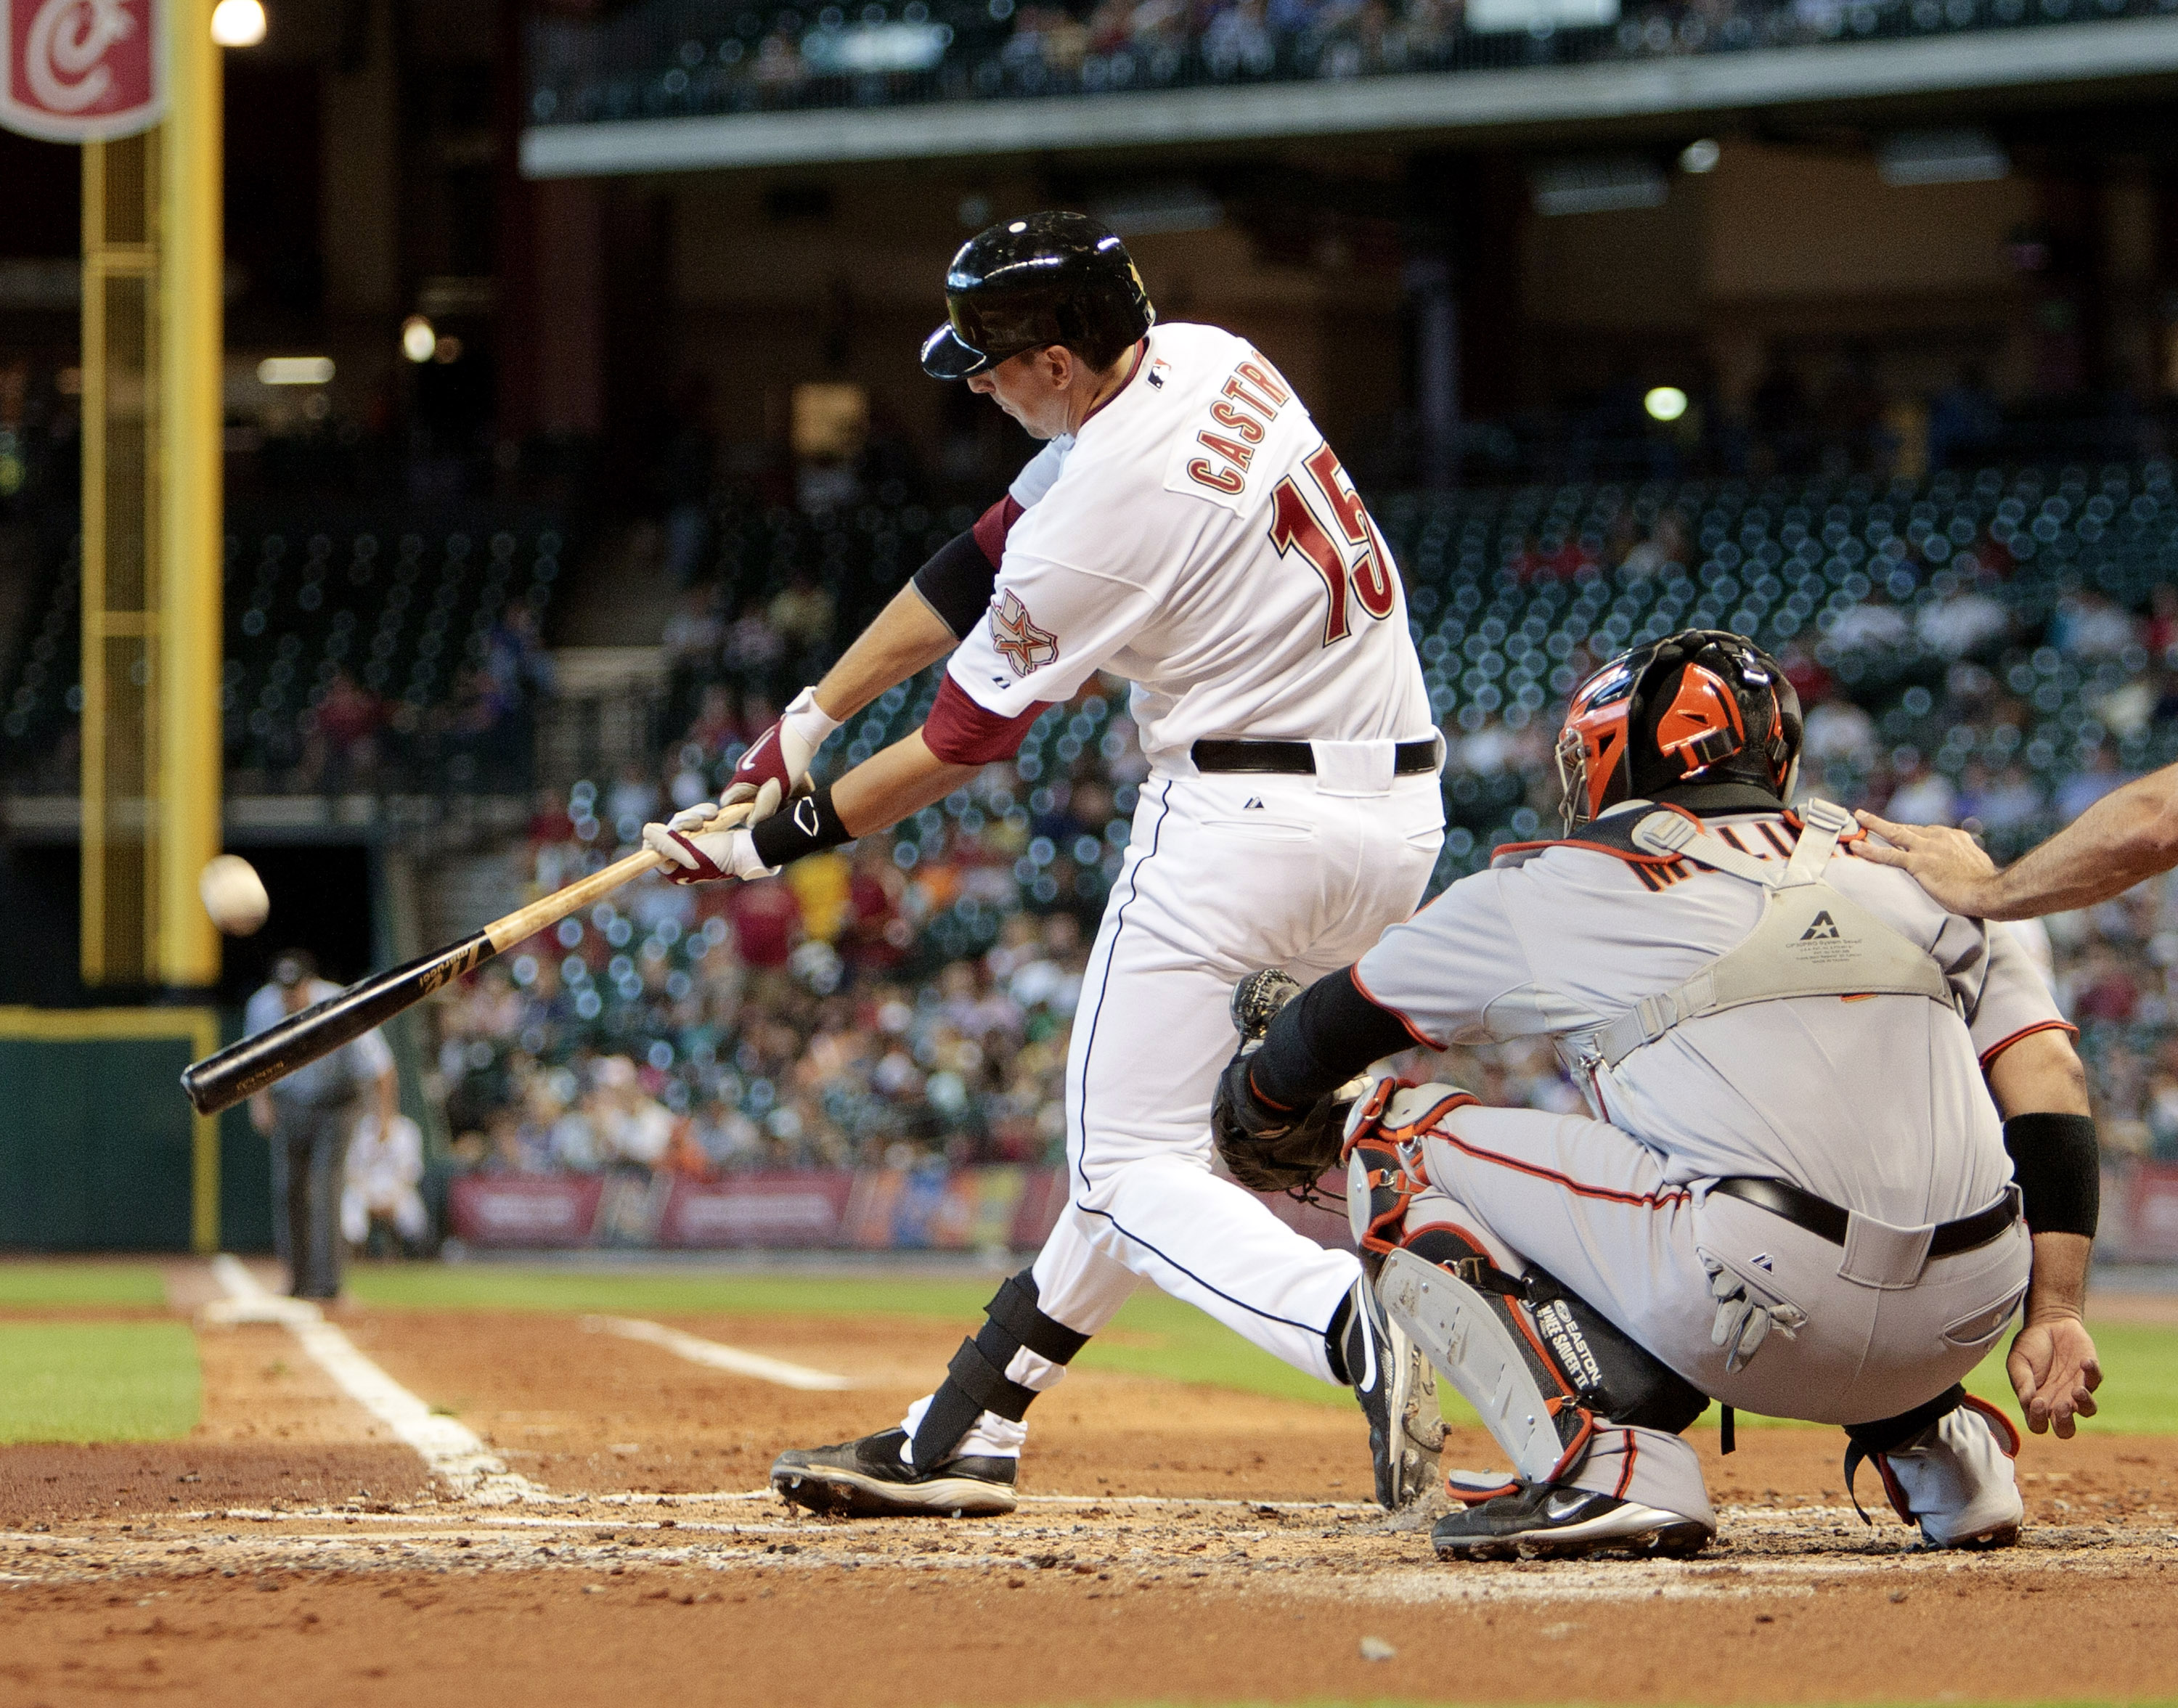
(233, 895)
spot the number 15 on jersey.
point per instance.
(1362, 559)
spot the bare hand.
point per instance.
(2055, 1371)
(1949, 864)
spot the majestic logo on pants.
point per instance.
(1014, 633)
(1822, 925)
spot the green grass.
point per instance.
(1159, 1336)
(33, 1284)
(97, 1381)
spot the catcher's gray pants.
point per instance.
(1874, 1333)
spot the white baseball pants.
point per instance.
(1224, 874)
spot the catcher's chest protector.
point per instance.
(1810, 940)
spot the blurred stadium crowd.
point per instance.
(1993, 648)
(680, 57)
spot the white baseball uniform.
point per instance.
(1197, 536)
(1877, 1104)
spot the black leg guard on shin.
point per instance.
(1867, 1441)
(1616, 1376)
(975, 1381)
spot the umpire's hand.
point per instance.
(1949, 864)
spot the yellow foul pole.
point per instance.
(191, 499)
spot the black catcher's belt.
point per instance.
(1827, 1221)
(1298, 758)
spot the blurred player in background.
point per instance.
(309, 1116)
(384, 1173)
(1187, 527)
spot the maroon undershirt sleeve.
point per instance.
(960, 732)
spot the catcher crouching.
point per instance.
(1839, 1137)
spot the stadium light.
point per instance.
(1664, 403)
(1700, 156)
(418, 343)
(238, 23)
(295, 370)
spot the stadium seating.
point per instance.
(678, 57)
(402, 610)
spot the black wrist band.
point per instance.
(807, 824)
(2058, 1165)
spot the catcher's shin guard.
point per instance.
(1541, 1364)
(976, 1381)
(1382, 1155)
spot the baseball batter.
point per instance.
(1795, 1194)
(1187, 527)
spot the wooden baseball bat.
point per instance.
(224, 1079)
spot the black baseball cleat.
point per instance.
(1398, 1392)
(1550, 1522)
(869, 1478)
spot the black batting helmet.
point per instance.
(1046, 278)
(1701, 706)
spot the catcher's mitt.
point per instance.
(1269, 1150)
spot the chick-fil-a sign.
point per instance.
(83, 70)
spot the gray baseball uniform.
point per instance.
(1875, 1103)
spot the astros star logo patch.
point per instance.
(1014, 633)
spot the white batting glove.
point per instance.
(777, 764)
(697, 856)
(695, 818)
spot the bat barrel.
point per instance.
(225, 1078)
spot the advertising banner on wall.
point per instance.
(786, 1209)
(83, 70)
(930, 1209)
(2147, 1216)
(524, 1211)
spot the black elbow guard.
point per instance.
(957, 581)
(2057, 1164)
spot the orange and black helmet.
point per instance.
(1702, 706)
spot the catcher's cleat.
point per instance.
(1398, 1392)
(1543, 1520)
(1954, 1479)
(869, 1478)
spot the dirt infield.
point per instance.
(1180, 1545)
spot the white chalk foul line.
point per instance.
(447, 1446)
(710, 1353)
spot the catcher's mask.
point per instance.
(1701, 706)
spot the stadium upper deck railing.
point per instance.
(650, 88)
